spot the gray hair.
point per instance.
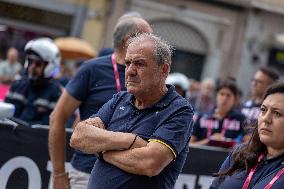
(127, 26)
(162, 49)
(129, 15)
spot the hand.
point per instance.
(139, 142)
(61, 182)
(97, 122)
(217, 136)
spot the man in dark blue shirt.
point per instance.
(141, 135)
(94, 84)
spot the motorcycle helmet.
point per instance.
(44, 50)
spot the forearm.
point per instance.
(57, 146)
(127, 160)
(91, 139)
(64, 108)
(143, 160)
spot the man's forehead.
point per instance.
(261, 75)
(139, 48)
(141, 45)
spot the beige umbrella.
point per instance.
(75, 48)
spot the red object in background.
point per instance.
(4, 89)
(222, 143)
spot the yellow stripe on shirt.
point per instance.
(165, 144)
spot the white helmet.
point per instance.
(47, 51)
(178, 79)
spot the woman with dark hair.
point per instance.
(260, 163)
(222, 123)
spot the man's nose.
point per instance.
(131, 70)
(32, 64)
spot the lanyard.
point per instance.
(211, 124)
(225, 126)
(116, 75)
(252, 171)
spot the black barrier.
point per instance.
(200, 164)
(25, 163)
(24, 158)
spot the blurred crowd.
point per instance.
(223, 116)
(214, 101)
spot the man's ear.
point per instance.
(165, 69)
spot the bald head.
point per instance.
(128, 27)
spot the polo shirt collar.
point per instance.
(279, 158)
(165, 101)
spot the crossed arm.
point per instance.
(143, 158)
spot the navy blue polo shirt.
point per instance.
(251, 110)
(206, 125)
(168, 121)
(94, 84)
(265, 172)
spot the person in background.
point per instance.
(193, 92)
(259, 163)
(222, 122)
(261, 80)
(180, 81)
(95, 83)
(238, 101)
(10, 67)
(35, 96)
(205, 101)
(141, 135)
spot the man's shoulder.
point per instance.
(4, 64)
(99, 61)
(95, 66)
(123, 95)
(20, 82)
(181, 102)
(19, 85)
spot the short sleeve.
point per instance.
(176, 131)
(78, 87)
(55, 95)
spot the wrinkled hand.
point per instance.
(97, 122)
(61, 182)
(217, 136)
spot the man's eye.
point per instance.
(139, 63)
(277, 114)
(262, 109)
